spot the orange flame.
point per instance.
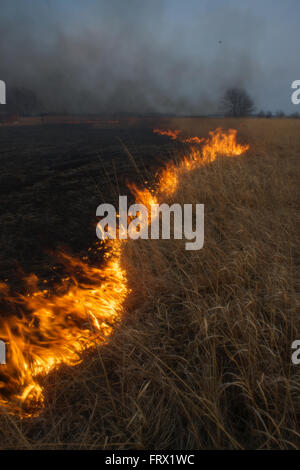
(172, 134)
(218, 143)
(193, 140)
(57, 328)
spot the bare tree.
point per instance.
(237, 103)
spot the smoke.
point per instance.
(134, 56)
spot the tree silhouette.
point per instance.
(237, 103)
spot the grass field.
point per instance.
(201, 358)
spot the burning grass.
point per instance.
(56, 329)
(203, 357)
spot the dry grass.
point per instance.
(202, 358)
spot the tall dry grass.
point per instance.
(202, 357)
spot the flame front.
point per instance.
(205, 151)
(168, 132)
(56, 329)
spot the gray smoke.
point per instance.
(128, 56)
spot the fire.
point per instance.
(57, 328)
(218, 143)
(172, 134)
(193, 140)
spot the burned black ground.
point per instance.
(53, 177)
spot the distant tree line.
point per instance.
(236, 102)
(277, 114)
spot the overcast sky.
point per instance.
(151, 56)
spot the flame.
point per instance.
(193, 140)
(57, 328)
(218, 143)
(172, 134)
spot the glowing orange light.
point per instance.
(59, 327)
